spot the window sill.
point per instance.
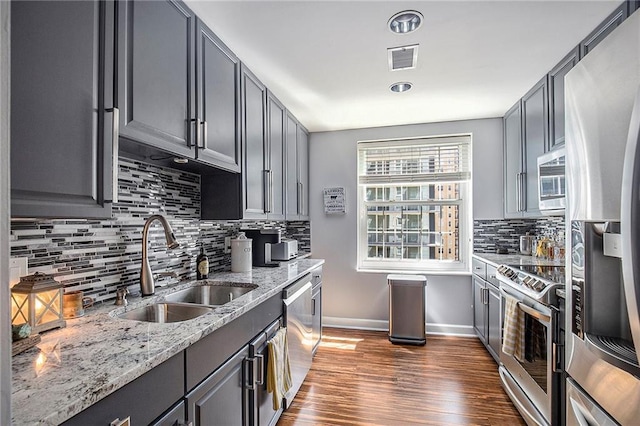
(415, 271)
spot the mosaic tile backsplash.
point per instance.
(98, 256)
(489, 234)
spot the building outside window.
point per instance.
(414, 200)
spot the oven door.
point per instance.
(529, 356)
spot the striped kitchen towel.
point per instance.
(278, 367)
(513, 338)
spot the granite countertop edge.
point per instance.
(99, 353)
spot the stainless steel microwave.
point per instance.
(551, 182)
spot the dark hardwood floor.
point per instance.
(360, 378)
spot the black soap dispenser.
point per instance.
(202, 265)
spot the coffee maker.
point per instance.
(262, 240)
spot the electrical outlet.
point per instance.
(227, 244)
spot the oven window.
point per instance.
(534, 352)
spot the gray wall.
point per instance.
(356, 299)
(5, 337)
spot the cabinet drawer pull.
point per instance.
(123, 422)
(260, 360)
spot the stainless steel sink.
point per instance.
(209, 294)
(166, 312)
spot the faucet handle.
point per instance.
(171, 274)
(121, 296)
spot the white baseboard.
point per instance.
(380, 325)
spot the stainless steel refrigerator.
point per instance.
(603, 229)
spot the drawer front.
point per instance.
(492, 276)
(479, 268)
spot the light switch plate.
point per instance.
(18, 267)
(227, 244)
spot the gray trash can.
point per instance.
(407, 309)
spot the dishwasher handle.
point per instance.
(292, 291)
(300, 291)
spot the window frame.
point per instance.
(463, 204)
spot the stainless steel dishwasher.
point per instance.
(298, 317)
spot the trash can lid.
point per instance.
(403, 277)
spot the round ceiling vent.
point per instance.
(405, 22)
(400, 87)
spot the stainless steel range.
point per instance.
(531, 370)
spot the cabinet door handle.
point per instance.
(518, 203)
(314, 306)
(259, 359)
(299, 197)
(266, 190)
(112, 151)
(194, 139)
(203, 141)
(523, 192)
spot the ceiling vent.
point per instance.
(403, 58)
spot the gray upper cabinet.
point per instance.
(297, 162)
(513, 164)
(605, 28)
(156, 75)
(303, 173)
(256, 174)
(63, 156)
(218, 90)
(556, 98)
(276, 135)
(535, 133)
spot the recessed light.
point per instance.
(405, 22)
(400, 87)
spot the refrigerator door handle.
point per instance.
(629, 223)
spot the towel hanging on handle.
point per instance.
(513, 339)
(278, 367)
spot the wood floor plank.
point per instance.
(360, 378)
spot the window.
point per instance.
(414, 203)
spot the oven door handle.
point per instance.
(534, 313)
(528, 309)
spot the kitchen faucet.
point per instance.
(147, 285)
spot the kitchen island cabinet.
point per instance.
(63, 149)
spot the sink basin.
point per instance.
(209, 294)
(166, 312)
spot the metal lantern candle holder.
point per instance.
(37, 300)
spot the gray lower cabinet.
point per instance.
(261, 412)
(487, 307)
(156, 75)
(176, 416)
(297, 165)
(144, 400)
(219, 399)
(63, 150)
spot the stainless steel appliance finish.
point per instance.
(602, 123)
(532, 378)
(298, 312)
(284, 250)
(582, 410)
(526, 244)
(536, 282)
(407, 309)
(551, 182)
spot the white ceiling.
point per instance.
(327, 60)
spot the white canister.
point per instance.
(241, 260)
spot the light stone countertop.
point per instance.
(516, 259)
(100, 353)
